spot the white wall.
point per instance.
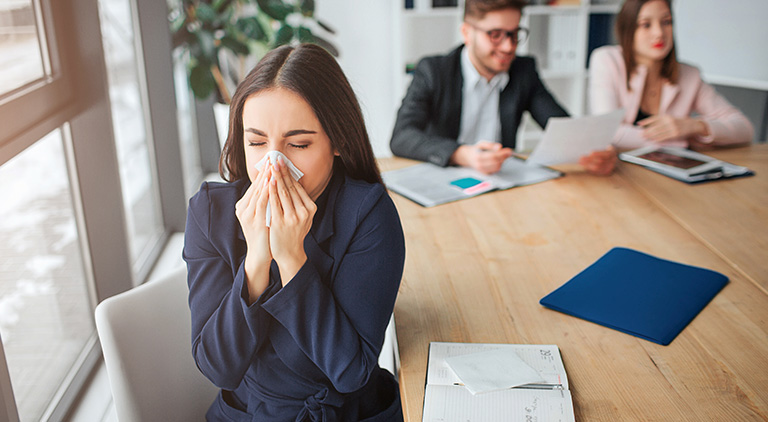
(725, 39)
(365, 38)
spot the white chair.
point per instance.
(145, 336)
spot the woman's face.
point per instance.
(653, 36)
(280, 120)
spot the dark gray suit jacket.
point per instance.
(427, 126)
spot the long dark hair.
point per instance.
(626, 25)
(312, 73)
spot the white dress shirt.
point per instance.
(480, 119)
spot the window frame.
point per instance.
(76, 98)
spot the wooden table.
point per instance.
(476, 269)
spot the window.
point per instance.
(22, 60)
(45, 307)
(84, 212)
(190, 160)
(137, 175)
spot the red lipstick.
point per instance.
(659, 44)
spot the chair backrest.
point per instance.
(145, 336)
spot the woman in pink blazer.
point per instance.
(659, 95)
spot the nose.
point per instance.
(656, 29)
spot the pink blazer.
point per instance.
(608, 91)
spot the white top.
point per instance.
(480, 119)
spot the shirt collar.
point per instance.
(472, 77)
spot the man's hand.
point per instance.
(485, 157)
(601, 163)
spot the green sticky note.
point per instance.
(466, 182)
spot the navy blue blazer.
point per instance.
(429, 119)
(309, 350)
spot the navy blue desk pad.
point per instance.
(638, 294)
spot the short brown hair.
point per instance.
(313, 74)
(626, 25)
(477, 9)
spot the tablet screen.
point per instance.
(672, 160)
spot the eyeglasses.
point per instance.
(497, 36)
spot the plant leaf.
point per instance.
(205, 13)
(308, 7)
(201, 81)
(219, 5)
(251, 28)
(325, 26)
(283, 36)
(207, 45)
(235, 45)
(305, 35)
(276, 9)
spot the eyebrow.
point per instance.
(290, 133)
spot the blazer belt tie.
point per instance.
(322, 406)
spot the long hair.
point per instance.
(626, 25)
(477, 9)
(313, 74)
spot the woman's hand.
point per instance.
(251, 211)
(292, 214)
(601, 162)
(661, 128)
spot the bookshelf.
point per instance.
(561, 38)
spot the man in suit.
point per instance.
(464, 108)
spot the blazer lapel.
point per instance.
(317, 244)
(239, 230)
(637, 85)
(669, 92)
(455, 97)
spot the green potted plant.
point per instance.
(225, 38)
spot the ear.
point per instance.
(465, 32)
(336, 153)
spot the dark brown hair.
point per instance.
(477, 9)
(313, 74)
(626, 25)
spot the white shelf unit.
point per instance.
(559, 40)
(420, 32)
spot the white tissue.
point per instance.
(271, 158)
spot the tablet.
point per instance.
(680, 161)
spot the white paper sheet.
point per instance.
(493, 370)
(566, 139)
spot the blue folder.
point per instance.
(638, 294)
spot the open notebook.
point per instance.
(447, 400)
(429, 185)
